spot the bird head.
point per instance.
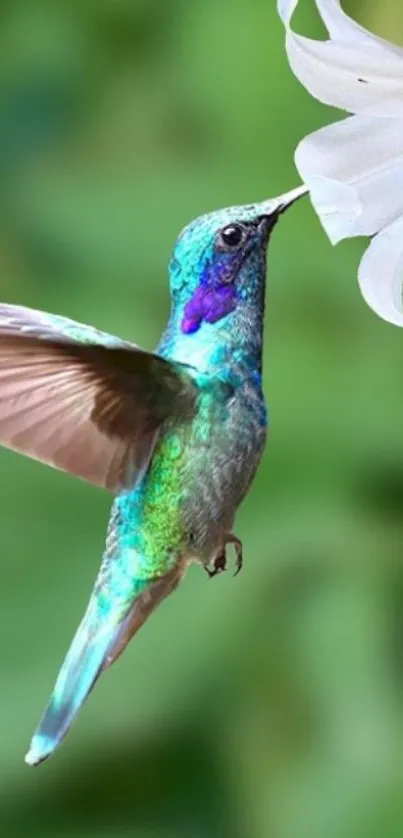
(219, 259)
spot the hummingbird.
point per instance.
(176, 434)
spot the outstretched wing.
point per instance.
(81, 400)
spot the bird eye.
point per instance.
(233, 235)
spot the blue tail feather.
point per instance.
(87, 656)
(100, 639)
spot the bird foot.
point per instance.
(219, 562)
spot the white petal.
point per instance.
(286, 10)
(354, 170)
(341, 27)
(360, 74)
(381, 273)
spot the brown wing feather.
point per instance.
(90, 408)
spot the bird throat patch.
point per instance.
(208, 305)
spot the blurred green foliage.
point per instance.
(269, 706)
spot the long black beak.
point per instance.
(276, 206)
(268, 212)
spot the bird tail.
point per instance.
(98, 642)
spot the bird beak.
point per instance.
(276, 206)
(268, 212)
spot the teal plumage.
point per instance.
(176, 435)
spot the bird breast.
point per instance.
(224, 450)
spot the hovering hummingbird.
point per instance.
(176, 435)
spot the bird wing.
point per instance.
(84, 401)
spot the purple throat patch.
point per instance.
(208, 304)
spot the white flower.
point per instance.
(354, 167)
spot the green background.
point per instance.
(269, 706)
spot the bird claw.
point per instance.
(219, 566)
(220, 560)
